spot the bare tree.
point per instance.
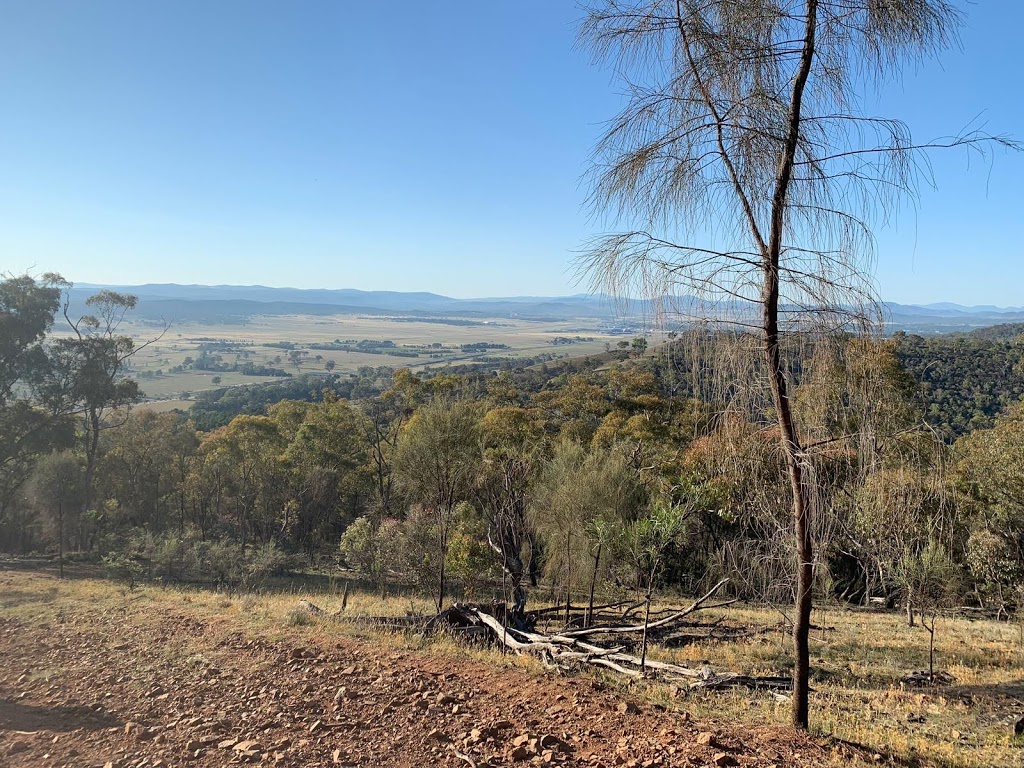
(750, 180)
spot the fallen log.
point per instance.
(567, 649)
(723, 682)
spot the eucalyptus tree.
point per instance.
(30, 424)
(511, 443)
(88, 371)
(749, 179)
(436, 462)
(55, 490)
(581, 502)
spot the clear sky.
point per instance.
(403, 145)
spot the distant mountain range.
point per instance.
(233, 303)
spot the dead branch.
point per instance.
(696, 606)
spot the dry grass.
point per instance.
(858, 663)
(857, 696)
(524, 339)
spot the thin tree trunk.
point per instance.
(568, 577)
(91, 449)
(442, 540)
(789, 439)
(593, 583)
(60, 538)
(647, 621)
(931, 646)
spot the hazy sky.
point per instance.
(402, 145)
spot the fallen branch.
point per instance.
(696, 606)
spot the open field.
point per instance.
(164, 371)
(98, 673)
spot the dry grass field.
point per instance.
(861, 712)
(253, 341)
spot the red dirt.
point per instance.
(130, 689)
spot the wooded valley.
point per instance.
(610, 473)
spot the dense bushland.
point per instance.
(561, 481)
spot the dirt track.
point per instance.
(129, 688)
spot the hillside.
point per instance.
(229, 303)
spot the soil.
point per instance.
(121, 688)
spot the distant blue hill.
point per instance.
(231, 303)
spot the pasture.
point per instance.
(166, 372)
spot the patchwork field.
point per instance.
(166, 367)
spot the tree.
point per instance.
(580, 502)
(990, 474)
(88, 370)
(648, 538)
(328, 457)
(750, 180)
(31, 422)
(437, 459)
(510, 440)
(931, 582)
(245, 463)
(56, 489)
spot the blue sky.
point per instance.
(404, 146)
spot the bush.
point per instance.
(358, 546)
(264, 562)
(122, 568)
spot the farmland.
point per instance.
(294, 344)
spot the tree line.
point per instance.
(608, 475)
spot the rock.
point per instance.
(628, 708)
(437, 735)
(227, 743)
(248, 748)
(1018, 727)
(16, 747)
(706, 739)
(444, 699)
(721, 758)
(521, 753)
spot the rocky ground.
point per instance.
(100, 686)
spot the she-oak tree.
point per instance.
(750, 180)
